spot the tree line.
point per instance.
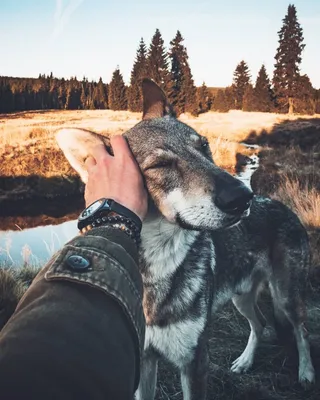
(289, 91)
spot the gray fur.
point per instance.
(191, 263)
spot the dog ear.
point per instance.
(77, 145)
(155, 103)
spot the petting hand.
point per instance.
(116, 177)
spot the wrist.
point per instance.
(107, 212)
(105, 208)
(118, 222)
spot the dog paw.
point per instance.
(242, 364)
(306, 376)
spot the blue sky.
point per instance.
(92, 37)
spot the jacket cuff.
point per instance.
(116, 236)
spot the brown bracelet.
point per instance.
(117, 221)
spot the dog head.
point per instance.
(183, 182)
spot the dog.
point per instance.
(206, 240)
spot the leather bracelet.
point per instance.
(117, 221)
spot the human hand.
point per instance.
(116, 177)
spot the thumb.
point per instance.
(89, 163)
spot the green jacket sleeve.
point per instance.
(78, 332)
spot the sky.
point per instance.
(92, 37)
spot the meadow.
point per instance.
(32, 167)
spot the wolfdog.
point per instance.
(206, 240)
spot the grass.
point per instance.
(28, 146)
(33, 166)
(274, 373)
(305, 201)
(292, 176)
(288, 174)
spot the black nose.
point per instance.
(232, 196)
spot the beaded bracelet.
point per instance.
(118, 221)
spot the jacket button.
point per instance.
(78, 263)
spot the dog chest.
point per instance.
(177, 341)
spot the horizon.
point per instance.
(75, 38)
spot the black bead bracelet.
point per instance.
(116, 221)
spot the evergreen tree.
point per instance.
(241, 79)
(204, 99)
(288, 58)
(157, 64)
(305, 101)
(317, 101)
(73, 97)
(182, 94)
(100, 97)
(62, 95)
(263, 92)
(220, 102)
(84, 94)
(139, 71)
(229, 96)
(249, 102)
(117, 92)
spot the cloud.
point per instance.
(63, 14)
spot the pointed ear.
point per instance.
(155, 103)
(77, 145)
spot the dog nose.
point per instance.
(232, 196)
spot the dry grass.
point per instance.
(305, 202)
(225, 152)
(21, 129)
(28, 147)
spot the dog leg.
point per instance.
(194, 376)
(306, 370)
(246, 305)
(148, 377)
(290, 312)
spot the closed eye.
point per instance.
(162, 163)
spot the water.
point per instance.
(37, 244)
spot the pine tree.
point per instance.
(220, 102)
(117, 92)
(249, 102)
(53, 92)
(204, 99)
(305, 101)
(84, 94)
(62, 95)
(288, 58)
(139, 71)
(73, 97)
(157, 64)
(317, 101)
(229, 96)
(183, 91)
(100, 97)
(241, 79)
(263, 92)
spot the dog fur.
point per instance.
(195, 257)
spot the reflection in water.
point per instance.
(35, 245)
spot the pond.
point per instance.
(29, 238)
